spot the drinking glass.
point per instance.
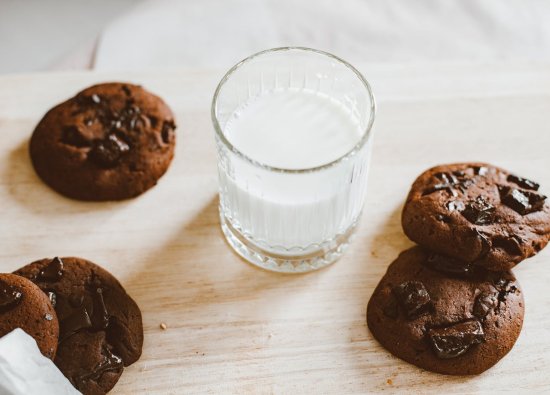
(292, 220)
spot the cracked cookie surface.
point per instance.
(477, 213)
(111, 141)
(462, 322)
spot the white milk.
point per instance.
(293, 129)
(293, 214)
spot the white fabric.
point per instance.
(218, 33)
(25, 371)
(79, 59)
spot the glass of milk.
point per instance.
(293, 135)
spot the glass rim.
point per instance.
(362, 141)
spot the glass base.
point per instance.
(286, 263)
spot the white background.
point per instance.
(133, 34)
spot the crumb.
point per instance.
(163, 326)
(374, 254)
(389, 381)
(270, 335)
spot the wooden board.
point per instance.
(233, 328)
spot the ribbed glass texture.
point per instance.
(292, 220)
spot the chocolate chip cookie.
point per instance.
(24, 305)
(477, 213)
(100, 325)
(457, 322)
(111, 141)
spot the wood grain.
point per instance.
(233, 328)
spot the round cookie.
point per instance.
(453, 322)
(24, 305)
(477, 213)
(111, 141)
(100, 325)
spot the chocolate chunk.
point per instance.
(100, 316)
(77, 321)
(85, 102)
(523, 182)
(536, 201)
(110, 363)
(485, 243)
(447, 178)
(464, 185)
(53, 298)
(52, 272)
(391, 309)
(510, 244)
(515, 199)
(76, 300)
(442, 176)
(459, 173)
(72, 136)
(523, 202)
(129, 118)
(449, 265)
(450, 182)
(479, 211)
(10, 296)
(440, 187)
(455, 205)
(480, 170)
(484, 303)
(504, 287)
(454, 340)
(413, 298)
(497, 280)
(107, 152)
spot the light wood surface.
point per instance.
(233, 328)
